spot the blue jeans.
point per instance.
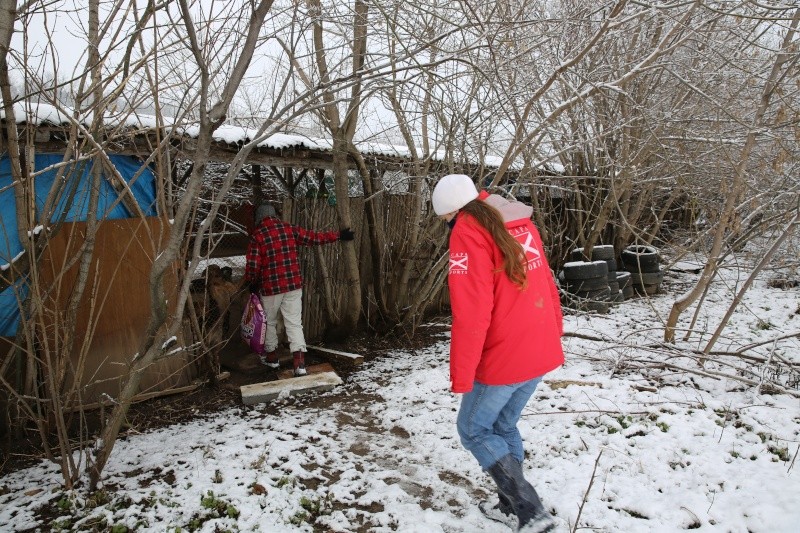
(487, 420)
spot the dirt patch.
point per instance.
(244, 368)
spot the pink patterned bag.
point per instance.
(254, 324)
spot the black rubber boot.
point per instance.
(499, 509)
(507, 474)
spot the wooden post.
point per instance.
(256, 182)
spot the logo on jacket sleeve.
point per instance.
(458, 263)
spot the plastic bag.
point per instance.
(254, 324)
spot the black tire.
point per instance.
(603, 251)
(588, 306)
(628, 292)
(600, 295)
(613, 286)
(599, 252)
(638, 258)
(612, 265)
(646, 290)
(647, 278)
(624, 279)
(576, 255)
(579, 270)
(640, 268)
(598, 307)
(584, 285)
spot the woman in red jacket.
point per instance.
(506, 334)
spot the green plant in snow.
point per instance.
(781, 453)
(61, 524)
(285, 481)
(215, 507)
(64, 503)
(317, 506)
(299, 518)
(97, 498)
(259, 462)
(123, 502)
(94, 523)
(764, 325)
(625, 421)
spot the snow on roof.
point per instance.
(39, 114)
(45, 114)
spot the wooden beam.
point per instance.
(339, 356)
(257, 183)
(264, 392)
(149, 395)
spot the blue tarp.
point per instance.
(78, 179)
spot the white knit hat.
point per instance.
(453, 192)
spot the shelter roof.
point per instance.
(276, 149)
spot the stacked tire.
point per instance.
(625, 283)
(644, 266)
(605, 252)
(586, 285)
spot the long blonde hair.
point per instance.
(514, 263)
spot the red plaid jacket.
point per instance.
(272, 260)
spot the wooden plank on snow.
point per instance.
(264, 392)
(288, 373)
(339, 356)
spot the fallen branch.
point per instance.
(586, 494)
(667, 351)
(721, 375)
(586, 411)
(585, 336)
(761, 343)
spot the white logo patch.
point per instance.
(532, 253)
(458, 263)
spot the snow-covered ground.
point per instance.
(611, 446)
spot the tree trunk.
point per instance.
(341, 184)
(159, 330)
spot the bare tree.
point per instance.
(212, 110)
(647, 108)
(734, 189)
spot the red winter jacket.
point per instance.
(501, 334)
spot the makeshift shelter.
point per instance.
(114, 309)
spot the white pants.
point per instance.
(290, 304)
